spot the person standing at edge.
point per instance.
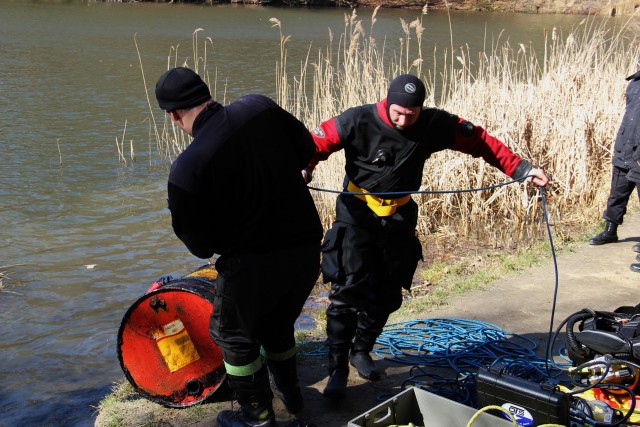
(630, 132)
(624, 152)
(371, 251)
(237, 191)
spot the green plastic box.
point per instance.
(423, 408)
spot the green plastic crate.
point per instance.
(422, 408)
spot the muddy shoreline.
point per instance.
(573, 7)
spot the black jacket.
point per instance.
(624, 150)
(238, 185)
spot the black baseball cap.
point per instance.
(181, 88)
(406, 90)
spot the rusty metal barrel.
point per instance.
(164, 345)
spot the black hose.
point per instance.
(573, 343)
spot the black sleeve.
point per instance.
(304, 146)
(191, 220)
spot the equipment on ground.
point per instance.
(529, 402)
(604, 352)
(615, 333)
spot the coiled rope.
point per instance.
(434, 345)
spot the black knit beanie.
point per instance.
(181, 88)
(406, 90)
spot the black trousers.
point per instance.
(621, 189)
(258, 299)
(368, 260)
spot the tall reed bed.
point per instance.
(559, 108)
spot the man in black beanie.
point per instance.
(371, 251)
(625, 170)
(237, 191)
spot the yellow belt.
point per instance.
(381, 207)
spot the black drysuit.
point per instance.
(626, 155)
(369, 258)
(237, 191)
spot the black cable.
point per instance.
(584, 311)
(405, 193)
(555, 269)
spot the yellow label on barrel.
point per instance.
(208, 272)
(175, 345)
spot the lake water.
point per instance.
(83, 234)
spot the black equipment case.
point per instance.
(529, 402)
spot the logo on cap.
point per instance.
(410, 88)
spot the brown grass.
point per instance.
(559, 108)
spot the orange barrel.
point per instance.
(164, 346)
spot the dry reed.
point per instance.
(560, 109)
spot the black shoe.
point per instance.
(240, 419)
(638, 257)
(365, 365)
(603, 238)
(636, 247)
(254, 397)
(337, 384)
(609, 235)
(635, 267)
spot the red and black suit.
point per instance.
(369, 258)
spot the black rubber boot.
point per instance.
(367, 331)
(283, 376)
(338, 373)
(254, 396)
(362, 361)
(341, 327)
(635, 267)
(609, 235)
(636, 247)
(360, 358)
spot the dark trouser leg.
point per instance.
(254, 396)
(255, 304)
(621, 189)
(258, 299)
(276, 332)
(283, 375)
(401, 256)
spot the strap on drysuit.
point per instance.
(381, 207)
